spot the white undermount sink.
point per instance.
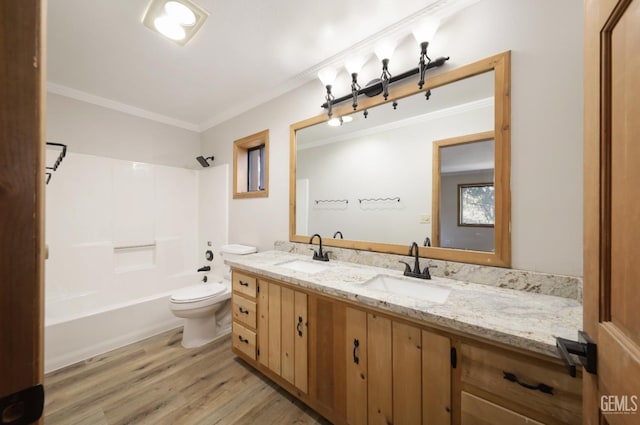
(305, 266)
(422, 290)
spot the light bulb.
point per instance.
(385, 49)
(180, 13)
(327, 76)
(169, 28)
(347, 118)
(354, 64)
(334, 122)
(426, 29)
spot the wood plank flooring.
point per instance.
(157, 381)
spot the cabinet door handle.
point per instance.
(299, 326)
(245, 340)
(244, 283)
(540, 387)
(356, 344)
(243, 311)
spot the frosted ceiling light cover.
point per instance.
(334, 122)
(347, 118)
(176, 20)
(327, 76)
(354, 64)
(426, 29)
(169, 28)
(385, 49)
(180, 13)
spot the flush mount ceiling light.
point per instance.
(176, 20)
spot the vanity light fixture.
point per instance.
(353, 66)
(423, 32)
(328, 76)
(177, 20)
(384, 51)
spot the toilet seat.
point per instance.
(195, 293)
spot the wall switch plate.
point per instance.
(425, 218)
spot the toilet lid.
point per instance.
(197, 292)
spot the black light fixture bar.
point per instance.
(377, 87)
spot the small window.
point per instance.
(476, 205)
(251, 166)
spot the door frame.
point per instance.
(22, 166)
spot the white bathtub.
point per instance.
(83, 325)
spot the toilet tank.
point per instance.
(238, 249)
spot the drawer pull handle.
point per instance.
(243, 311)
(244, 283)
(299, 326)
(540, 387)
(356, 344)
(245, 340)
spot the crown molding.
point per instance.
(118, 106)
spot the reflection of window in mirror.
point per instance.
(476, 205)
(251, 166)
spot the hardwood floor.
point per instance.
(156, 381)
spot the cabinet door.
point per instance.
(327, 384)
(407, 382)
(380, 397)
(274, 327)
(263, 322)
(356, 366)
(436, 379)
(301, 342)
(288, 328)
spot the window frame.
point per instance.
(242, 168)
(462, 186)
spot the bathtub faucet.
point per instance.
(205, 269)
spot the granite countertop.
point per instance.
(520, 319)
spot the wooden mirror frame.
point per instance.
(500, 64)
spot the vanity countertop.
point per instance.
(516, 318)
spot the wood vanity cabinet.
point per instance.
(270, 327)
(513, 388)
(243, 334)
(396, 372)
(356, 365)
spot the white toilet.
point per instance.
(205, 306)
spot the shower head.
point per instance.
(204, 161)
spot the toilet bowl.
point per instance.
(198, 305)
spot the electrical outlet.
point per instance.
(425, 218)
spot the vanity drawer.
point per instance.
(244, 340)
(244, 284)
(477, 411)
(504, 374)
(244, 311)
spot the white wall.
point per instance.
(94, 205)
(545, 37)
(387, 164)
(95, 130)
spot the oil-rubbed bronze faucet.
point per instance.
(319, 255)
(338, 233)
(414, 250)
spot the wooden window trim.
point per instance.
(240, 165)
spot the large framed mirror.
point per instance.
(434, 171)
